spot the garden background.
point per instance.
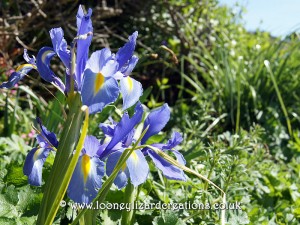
(234, 96)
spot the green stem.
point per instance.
(238, 110)
(89, 218)
(129, 197)
(284, 110)
(58, 179)
(6, 122)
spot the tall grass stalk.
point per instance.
(288, 122)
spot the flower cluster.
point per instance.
(95, 78)
(99, 80)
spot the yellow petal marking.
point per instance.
(25, 65)
(134, 157)
(36, 154)
(130, 83)
(85, 166)
(99, 81)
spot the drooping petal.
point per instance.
(124, 127)
(86, 179)
(91, 145)
(122, 177)
(156, 120)
(51, 137)
(84, 26)
(131, 91)
(138, 168)
(18, 75)
(34, 164)
(43, 65)
(98, 91)
(60, 46)
(126, 52)
(170, 171)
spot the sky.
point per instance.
(279, 17)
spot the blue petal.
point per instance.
(84, 26)
(60, 46)
(51, 137)
(122, 177)
(131, 91)
(156, 145)
(91, 145)
(28, 59)
(129, 138)
(156, 120)
(34, 164)
(107, 129)
(98, 61)
(43, 142)
(179, 157)
(86, 179)
(138, 168)
(117, 147)
(170, 171)
(124, 127)
(175, 140)
(18, 75)
(43, 65)
(98, 91)
(13, 79)
(126, 70)
(126, 52)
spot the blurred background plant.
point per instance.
(196, 56)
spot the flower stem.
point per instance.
(64, 164)
(129, 197)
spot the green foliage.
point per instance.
(224, 101)
(19, 205)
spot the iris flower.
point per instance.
(37, 156)
(20, 72)
(136, 167)
(95, 78)
(99, 79)
(131, 89)
(89, 170)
